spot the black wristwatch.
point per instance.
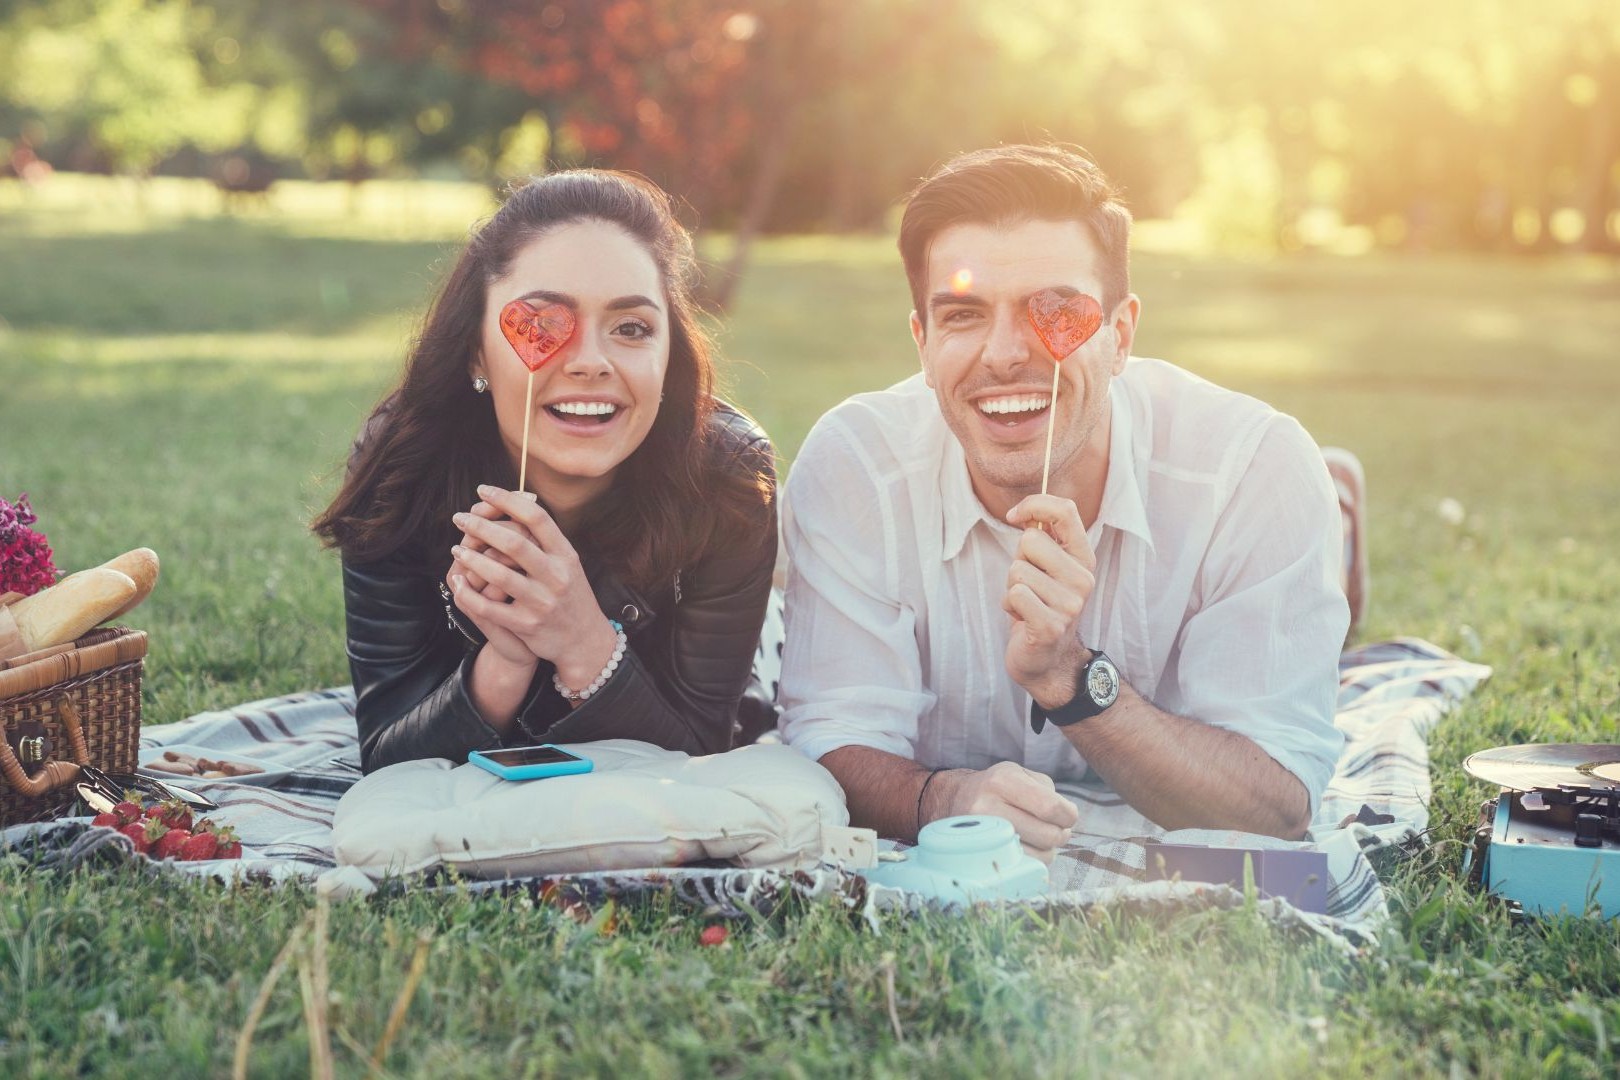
(1098, 689)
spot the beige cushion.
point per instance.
(642, 806)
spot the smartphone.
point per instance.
(529, 762)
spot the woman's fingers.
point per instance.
(522, 508)
(498, 538)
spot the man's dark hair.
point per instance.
(1008, 185)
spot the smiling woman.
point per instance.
(617, 593)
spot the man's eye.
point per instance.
(959, 317)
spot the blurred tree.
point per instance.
(119, 73)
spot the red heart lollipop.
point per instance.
(536, 333)
(1064, 323)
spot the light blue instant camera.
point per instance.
(962, 860)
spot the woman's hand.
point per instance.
(507, 647)
(552, 610)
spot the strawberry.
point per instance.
(229, 846)
(200, 847)
(137, 832)
(173, 813)
(127, 812)
(714, 935)
(169, 842)
(108, 819)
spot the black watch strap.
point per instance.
(1098, 688)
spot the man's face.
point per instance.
(989, 369)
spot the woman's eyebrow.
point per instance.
(548, 297)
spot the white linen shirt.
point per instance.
(1219, 545)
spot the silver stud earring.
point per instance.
(480, 384)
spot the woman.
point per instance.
(622, 597)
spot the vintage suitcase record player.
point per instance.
(1550, 843)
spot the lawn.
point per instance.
(173, 378)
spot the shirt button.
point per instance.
(630, 614)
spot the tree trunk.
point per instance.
(761, 196)
(1602, 151)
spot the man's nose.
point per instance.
(1007, 344)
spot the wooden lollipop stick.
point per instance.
(1051, 422)
(528, 410)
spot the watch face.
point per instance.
(1102, 682)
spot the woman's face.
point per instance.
(597, 397)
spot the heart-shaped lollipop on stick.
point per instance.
(1063, 323)
(536, 335)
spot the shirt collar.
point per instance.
(1122, 505)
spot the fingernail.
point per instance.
(531, 496)
(459, 519)
(458, 551)
(486, 490)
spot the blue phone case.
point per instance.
(531, 772)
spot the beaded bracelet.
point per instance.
(607, 672)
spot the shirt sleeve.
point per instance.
(1259, 656)
(851, 667)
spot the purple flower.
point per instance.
(25, 556)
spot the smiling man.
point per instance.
(1167, 618)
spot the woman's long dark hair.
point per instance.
(432, 440)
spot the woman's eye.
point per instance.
(634, 329)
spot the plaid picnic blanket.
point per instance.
(1391, 694)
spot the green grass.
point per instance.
(190, 382)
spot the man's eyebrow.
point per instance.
(624, 302)
(1064, 291)
(941, 299)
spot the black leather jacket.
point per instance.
(691, 651)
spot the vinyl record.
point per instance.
(1547, 765)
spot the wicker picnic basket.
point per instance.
(71, 705)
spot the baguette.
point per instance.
(142, 567)
(71, 606)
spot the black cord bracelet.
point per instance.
(923, 791)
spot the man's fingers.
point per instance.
(1058, 596)
(1031, 793)
(1061, 517)
(1057, 562)
(1046, 855)
(1041, 625)
(1033, 831)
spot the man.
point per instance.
(1168, 616)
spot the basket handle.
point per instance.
(55, 774)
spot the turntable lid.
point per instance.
(1547, 765)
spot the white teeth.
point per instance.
(1024, 403)
(586, 408)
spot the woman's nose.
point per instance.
(584, 358)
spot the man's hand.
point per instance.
(1048, 585)
(1028, 799)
